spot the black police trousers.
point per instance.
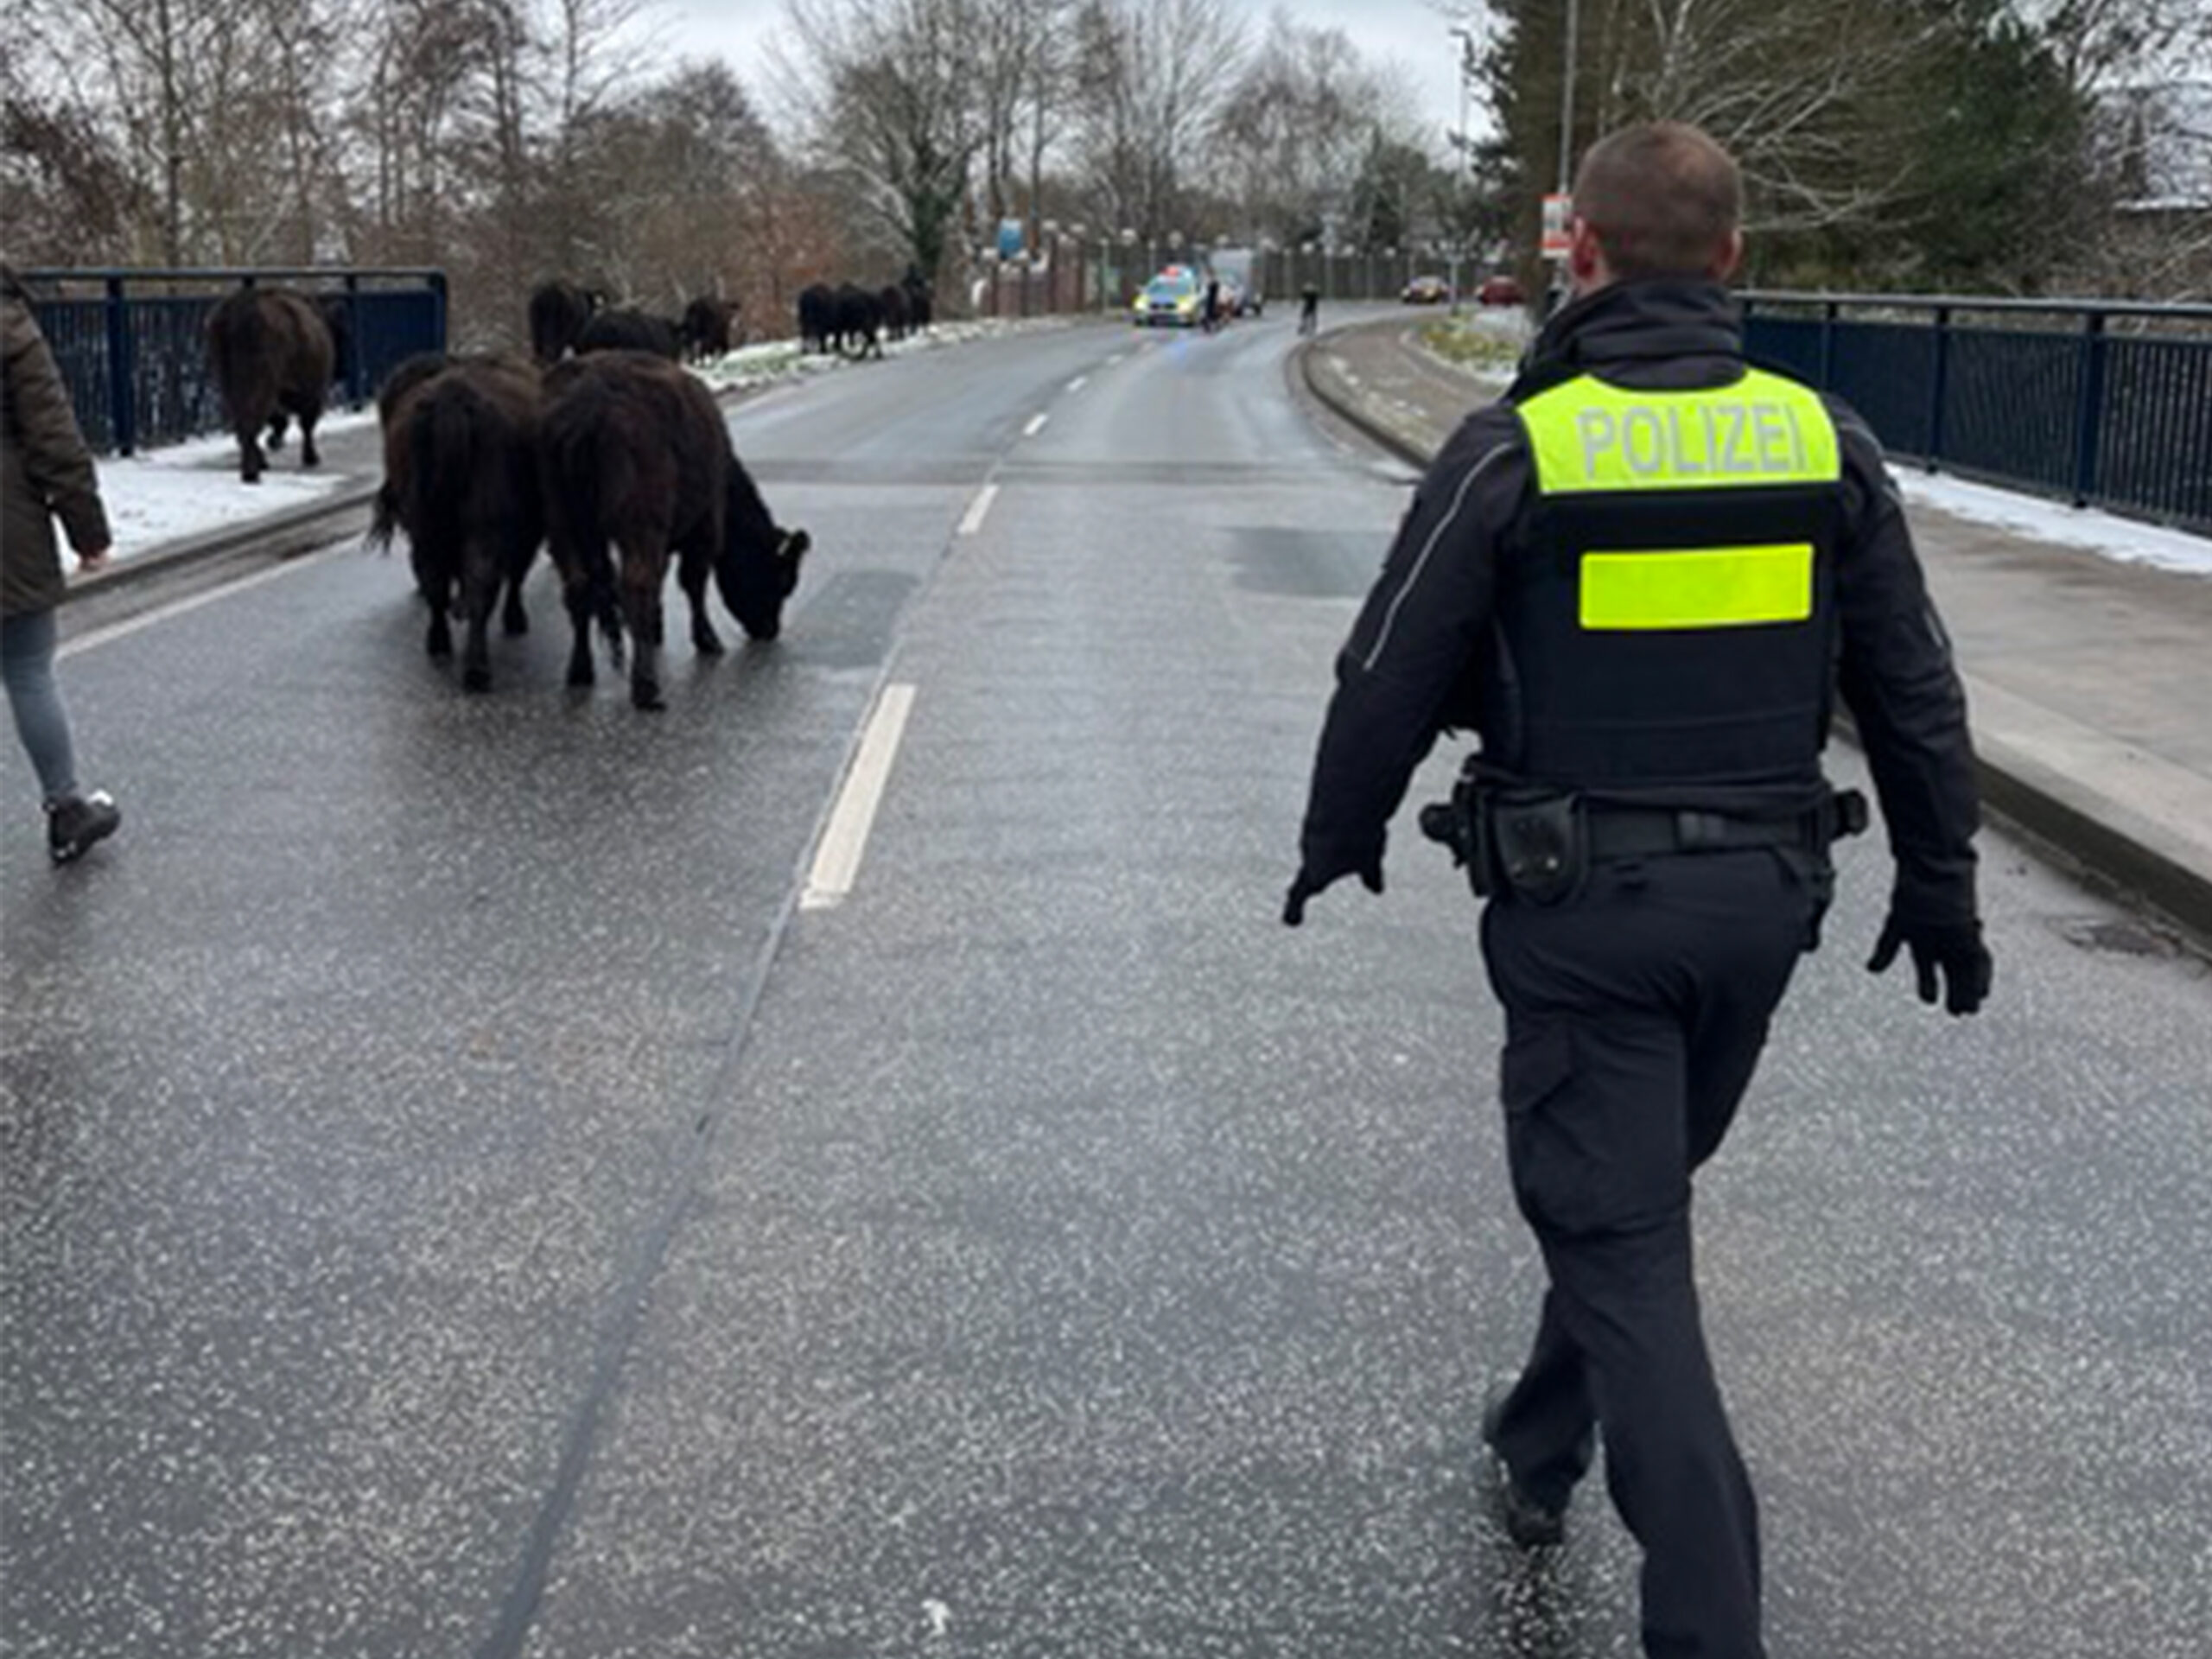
(1636, 1010)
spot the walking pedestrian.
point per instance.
(1638, 577)
(46, 471)
(1210, 313)
(1309, 309)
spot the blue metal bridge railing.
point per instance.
(132, 343)
(2099, 403)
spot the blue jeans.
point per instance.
(27, 663)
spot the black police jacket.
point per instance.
(1413, 665)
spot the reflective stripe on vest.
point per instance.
(1587, 435)
(1704, 587)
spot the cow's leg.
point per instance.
(696, 566)
(520, 553)
(644, 572)
(277, 429)
(251, 461)
(310, 455)
(481, 579)
(577, 595)
(513, 618)
(439, 642)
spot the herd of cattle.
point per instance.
(565, 318)
(852, 320)
(488, 455)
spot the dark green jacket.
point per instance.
(45, 471)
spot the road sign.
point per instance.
(1558, 209)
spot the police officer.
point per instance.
(1638, 576)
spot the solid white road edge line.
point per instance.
(838, 861)
(979, 510)
(96, 637)
(1036, 425)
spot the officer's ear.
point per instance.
(1586, 255)
(1730, 256)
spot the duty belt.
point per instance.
(1644, 832)
(1538, 844)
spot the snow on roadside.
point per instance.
(775, 360)
(163, 496)
(2125, 539)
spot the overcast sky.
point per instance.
(1408, 32)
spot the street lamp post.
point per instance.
(1466, 38)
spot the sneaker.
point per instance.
(1530, 1523)
(75, 822)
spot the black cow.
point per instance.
(271, 353)
(632, 330)
(817, 318)
(635, 452)
(461, 478)
(892, 300)
(706, 328)
(337, 311)
(921, 302)
(859, 319)
(558, 312)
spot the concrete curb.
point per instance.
(279, 536)
(2035, 770)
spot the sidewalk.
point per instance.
(2087, 678)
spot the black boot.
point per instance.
(75, 822)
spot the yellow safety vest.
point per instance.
(1666, 618)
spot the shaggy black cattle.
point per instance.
(859, 322)
(461, 478)
(817, 318)
(632, 330)
(920, 302)
(337, 311)
(271, 353)
(635, 452)
(706, 328)
(558, 312)
(896, 317)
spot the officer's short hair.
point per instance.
(1661, 197)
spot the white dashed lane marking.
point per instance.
(979, 510)
(838, 861)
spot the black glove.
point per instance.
(1308, 885)
(1955, 948)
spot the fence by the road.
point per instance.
(2102, 404)
(133, 344)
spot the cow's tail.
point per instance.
(586, 473)
(444, 456)
(383, 517)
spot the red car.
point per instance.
(1500, 289)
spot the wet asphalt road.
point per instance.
(457, 1203)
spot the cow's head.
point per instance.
(759, 564)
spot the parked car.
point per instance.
(1427, 291)
(1174, 298)
(1500, 289)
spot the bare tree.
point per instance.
(889, 92)
(1150, 77)
(1294, 130)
